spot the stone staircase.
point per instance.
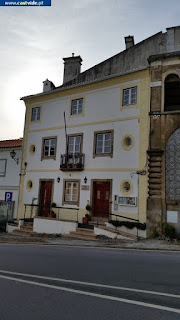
(120, 234)
(84, 233)
(101, 225)
(25, 230)
(81, 234)
(100, 221)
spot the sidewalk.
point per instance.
(146, 244)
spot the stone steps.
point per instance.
(78, 237)
(94, 223)
(85, 231)
(25, 230)
(28, 228)
(81, 234)
(125, 236)
(21, 234)
(100, 219)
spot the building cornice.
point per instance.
(64, 88)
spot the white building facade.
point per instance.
(98, 159)
(9, 177)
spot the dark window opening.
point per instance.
(172, 93)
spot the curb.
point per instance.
(44, 243)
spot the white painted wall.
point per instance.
(100, 105)
(141, 233)
(117, 177)
(10, 183)
(10, 228)
(53, 226)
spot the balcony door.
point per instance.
(74, 158)
(74, 144)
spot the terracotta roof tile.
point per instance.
(11, 143)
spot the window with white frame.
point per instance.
(129, 96)
(35, 115)
(49, 148)
(77, 106)
(3, 167)
(71, 192)
(74, 144)
(103, 143)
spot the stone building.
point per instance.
(164, 142)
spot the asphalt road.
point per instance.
(54, 282)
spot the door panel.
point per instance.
(45, 197)
(101, 198)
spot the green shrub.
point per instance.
(53, 204)
(128, 224)
(88, 207)
(170, 231)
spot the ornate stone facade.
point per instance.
(173, 166)
(164, 142)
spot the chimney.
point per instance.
(48, 86)
(129, 41)
(72, 67)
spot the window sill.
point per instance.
(35, 121)
(76, 115)
(48, 158)
(110, 155)
(71, 203)
(134, 105)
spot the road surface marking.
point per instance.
(85, 293)
(93, 284)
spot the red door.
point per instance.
(101, 199)
(45, 200)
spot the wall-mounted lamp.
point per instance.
(85, 180)
(58, 180)
(13, 154)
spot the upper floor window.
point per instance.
(49, 148)
(77, 106)
(172, 93)
(103, 143)
(129, 96)
(74, 144)
(3, 167)
(35, 115)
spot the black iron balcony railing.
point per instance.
(74, 161)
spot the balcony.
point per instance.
(72, 162)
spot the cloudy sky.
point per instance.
(33, 41)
